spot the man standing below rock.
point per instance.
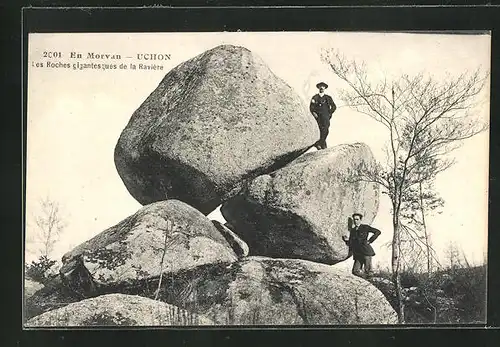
(359, 245)
(322, 108)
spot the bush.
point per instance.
(37, 269)
(456, 295)
(411, 278)
(468, 286)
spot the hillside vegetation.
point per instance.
(451, 296)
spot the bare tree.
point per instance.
(422, 209)
(166, 244)
(50, 225)
(452, 254)
(420, 201)
(425, 119)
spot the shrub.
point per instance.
(37, 269)
(456, 295)
(468, 287)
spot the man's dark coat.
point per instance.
(358, 240)
(323, 106)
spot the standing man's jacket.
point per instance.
(322, 105)
(359, 243)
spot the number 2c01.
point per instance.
(52, 55)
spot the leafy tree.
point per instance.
(38, 268)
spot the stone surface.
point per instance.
(266, 291)
(239, 246)
(131, 254)
(252, 291)
(214, 121)
(118, 310)
(301, 211)
(162, 237)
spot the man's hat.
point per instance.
(321, 84)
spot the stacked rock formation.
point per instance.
(221, 128)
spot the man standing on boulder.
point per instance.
(359, 245)
(322, 108)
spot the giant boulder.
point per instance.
(254, 291)
(214, 121)
(266, 291)
(301, 211)
(159, 239)
(117, 310)
(162, 237)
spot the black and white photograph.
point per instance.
(287, 178)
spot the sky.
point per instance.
(76, 116)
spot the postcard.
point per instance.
(256, 179)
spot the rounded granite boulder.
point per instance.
(214, 121)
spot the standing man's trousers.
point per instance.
(324, 125)
(362, 262)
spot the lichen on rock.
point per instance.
(267, 291)
(214, 121)
(166, 236)
(117, 310)
(301, 210)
